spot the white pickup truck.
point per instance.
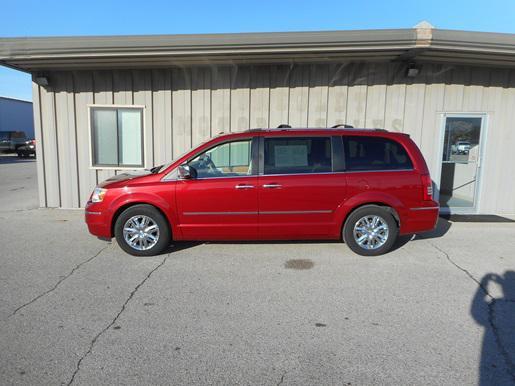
(461, 147)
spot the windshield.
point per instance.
(159, 168)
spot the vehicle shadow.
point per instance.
(497, 316)
(441, 229)
(14, 159)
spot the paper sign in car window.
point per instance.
(293, 155)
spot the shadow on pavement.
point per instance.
(497, 316)
(14, 159)
(442, 227)
(491, 218)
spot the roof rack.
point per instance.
(284, 126)
(344, 125)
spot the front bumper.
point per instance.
(98, 220)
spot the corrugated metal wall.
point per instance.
(185, 106)
(16, 115)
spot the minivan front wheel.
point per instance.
(370, 230)
(141, 230)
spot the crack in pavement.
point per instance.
(63, 278)
(510, 364)
(282, 379)
(124, 305)
(480, 285)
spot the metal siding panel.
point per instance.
(181, 118)
(122, 87)
(337, 94)
(50, 155)
(40, 159)
(473, 93)
(318, 89)
(83, 82)
(395, 97)
(454, 89)
(431, 123)
(279, 94)
(299, 96)
(142, 91)
(220, 99)
(376, 96)
(492, 103)
(500, 156)
(357, 94)
(200, 105)
(414, 109)
(162, 119)
(259, 96)
(240, 98)
(65, 125)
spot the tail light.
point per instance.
(427, 187)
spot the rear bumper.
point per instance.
(420, 219)
(98, 221)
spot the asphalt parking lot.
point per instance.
(438, 310)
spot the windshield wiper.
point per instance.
(156, 169)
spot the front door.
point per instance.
(461, 163)
(298, 193)
(221, 202)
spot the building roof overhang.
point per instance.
(422, 44)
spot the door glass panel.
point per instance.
(460, 162)
(227, 160)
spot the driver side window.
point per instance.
(229, 159)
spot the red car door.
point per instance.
(298, 190)
(221, 202)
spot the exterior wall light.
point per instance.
(41, 80)
(412, 70)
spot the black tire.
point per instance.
(155, 215)
(370, 210)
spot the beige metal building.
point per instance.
(103, 105)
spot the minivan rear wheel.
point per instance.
(141, 230)
(370, 230)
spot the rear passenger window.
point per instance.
(297, 155)
(373, 153)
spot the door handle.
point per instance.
(272, 186)
(244, 186)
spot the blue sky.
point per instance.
(108, 17)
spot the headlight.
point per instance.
(98, 195)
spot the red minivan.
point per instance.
(363, 186)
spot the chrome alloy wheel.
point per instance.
(141, 232)
(371, 232)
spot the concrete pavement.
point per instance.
(76, 310)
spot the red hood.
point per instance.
(119, 179)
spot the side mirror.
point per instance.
(187, 172)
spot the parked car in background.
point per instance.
(363, 186)
(27, 150)
(461, 147)
(10, 141)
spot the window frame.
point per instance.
(92, 165)
(301, 136)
